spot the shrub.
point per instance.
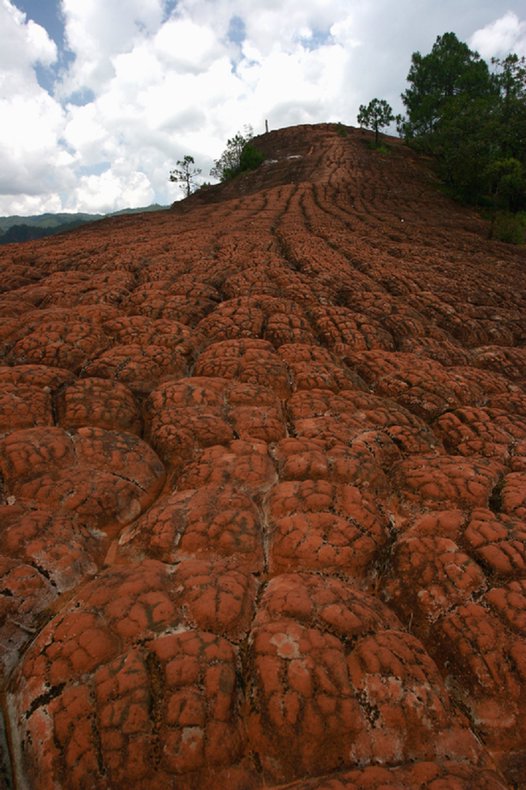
(250, 158)
(380, 148)
(238, 156)
(509, 227)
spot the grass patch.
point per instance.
(380, 148)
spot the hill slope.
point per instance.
(264, 488)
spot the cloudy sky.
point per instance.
(99, 98)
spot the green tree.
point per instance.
(449, 70)
(251, 158)
(512, 76)
(507, 183)
(376, 115)
(185, 174)
(456, 110)
(465, 144)
(510, 80)
(239, 155)
(227, 165)
(474, 123)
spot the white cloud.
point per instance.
(187, 46)
(86, 134)
(29, 205)
(111, 191)
(177, 91)
(311, 79)
(23, 42)
(344, 33)
(507, 34)
(275, 24)
(31, 159)
(96, 30)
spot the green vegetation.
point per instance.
(185, 174)
(380, 148)
(472, 120)
(49, 221)
(509, 227)
(251, 158)
(340, 129)
(26, 232)
(239, 155)
(375, 116)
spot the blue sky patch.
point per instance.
(94, 170)
(237, 31)
(318, 39)
(46, 13)
(169, 8)
(82, 97)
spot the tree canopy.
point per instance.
(185, 174)
(450, 70)
(238, 156)
(375, 116)
(472, 119)
(228, 163)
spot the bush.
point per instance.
(380, 148)
(509, 227)
(250, 158)
(238, 156)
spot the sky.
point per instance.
(100, 98)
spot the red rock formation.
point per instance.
(263, 488)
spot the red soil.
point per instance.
(263, 503)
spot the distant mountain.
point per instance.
(16, 228)
(27, 232)
(46, 220)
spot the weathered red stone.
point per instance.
(263, 488)
(98, 402)
(251, 361)
(211, 521)
(107, 478)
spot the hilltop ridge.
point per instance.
(263, 462)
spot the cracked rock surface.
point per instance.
(263, 488)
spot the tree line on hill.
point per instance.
(470, 116)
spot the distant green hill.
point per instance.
(16, 228)
(46, 220)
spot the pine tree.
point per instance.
(185, 174)
(375, 116)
